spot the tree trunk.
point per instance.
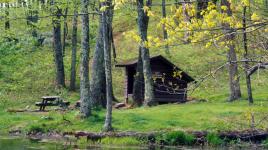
(98, 84)
(234, 85)
(246, 66)
(74, 47)
(111, 45)
(165, 35)
(108, 68)
(138, 86)
(186, 19)
(235, 92)
(7, 23)
(60, 77)
(65, 31)
(84, 71)
(143, 21)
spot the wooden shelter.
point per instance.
(170, 82)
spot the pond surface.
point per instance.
(18, 143)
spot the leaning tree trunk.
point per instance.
(74, 47)
(108, 68)
(98, 83)
(138, 94)
(143, 21)
(246, 66)
(84, 72)
(60, 77)
(234, 85)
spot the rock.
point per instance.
(119, 105)
(15, 132)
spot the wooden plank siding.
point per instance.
(167, 88)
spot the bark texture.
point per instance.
(65, 30)
(60, 76)
(235, 92)
(7, 22)
(98, 83)
(108, 68)
(84, 71)
(74, 50)
(246, 66)
(186, 19)
(143, 21)
(138, 86)
(165, 34)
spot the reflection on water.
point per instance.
(26, 144)
(13, 143)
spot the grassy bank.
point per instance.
(211, 116)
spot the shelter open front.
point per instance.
(170, 82)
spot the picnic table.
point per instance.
(51, 101)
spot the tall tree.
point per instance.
(7, 22)
(143, 20)
(246, 66)
(74, 47)
(234, 84)
(84, 68)
(65, 28)
(108, 65)
(60, 76)
(138, 86)
(98, 83)
(185, 8)
(164, 15)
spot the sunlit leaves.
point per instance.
(255, 17)
(103, 8)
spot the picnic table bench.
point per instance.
(51, 101)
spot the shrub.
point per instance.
(178, 138)
(265, 143)
(36, 129)
(214, 139)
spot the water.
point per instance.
(15, 143)
(18, 143)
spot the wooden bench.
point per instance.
(51, 101)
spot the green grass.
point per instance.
(192, 116)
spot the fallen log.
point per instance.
(98, 136)
(246, 135)
(255, 136)
(23, 110)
